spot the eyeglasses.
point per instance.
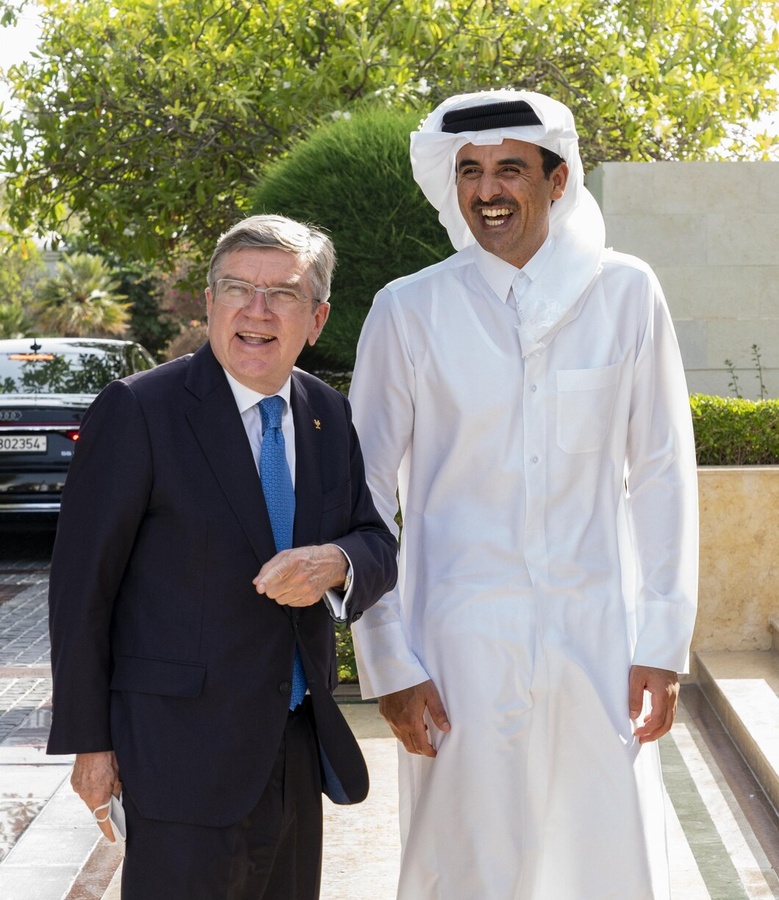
(283, 301)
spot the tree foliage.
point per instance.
(148, 120)
(150, 325)
(20, 268)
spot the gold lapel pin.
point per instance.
(317, 424)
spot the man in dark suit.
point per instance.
(176, 618)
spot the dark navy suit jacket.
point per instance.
(162, 650)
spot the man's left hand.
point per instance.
(301, 576)
(663, 687)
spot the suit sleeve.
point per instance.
(104, 500)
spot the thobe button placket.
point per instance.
(536, 399)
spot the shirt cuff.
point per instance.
(337, 600)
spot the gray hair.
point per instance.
(308, 243)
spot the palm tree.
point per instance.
(81, 300)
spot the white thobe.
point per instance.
(549, 504)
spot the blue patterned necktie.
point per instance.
(280, 500)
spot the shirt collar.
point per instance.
(500, 274)
(245, 397)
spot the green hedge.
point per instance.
(730, 431)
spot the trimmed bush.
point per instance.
(731, 431)
(353, 178)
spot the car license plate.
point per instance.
(23, 443)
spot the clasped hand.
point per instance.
(301, 576)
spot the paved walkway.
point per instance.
(723, 835)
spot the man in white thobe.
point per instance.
(525, 400)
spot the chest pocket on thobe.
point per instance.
(585, 401)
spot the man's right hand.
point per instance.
(405, 710)
(95, 777)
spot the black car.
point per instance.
(46, 385)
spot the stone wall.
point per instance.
(711, 233)
(739, 557)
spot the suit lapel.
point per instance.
(217, 425)
(309, 431)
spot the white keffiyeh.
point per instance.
(575, 221)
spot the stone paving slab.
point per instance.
(58, 844)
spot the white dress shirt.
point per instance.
(247, 401)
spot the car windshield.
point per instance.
(74, 370)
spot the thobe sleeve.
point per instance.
(382, 399)
(661, 478)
